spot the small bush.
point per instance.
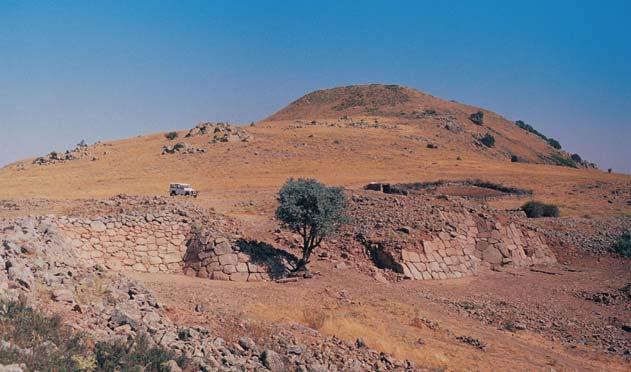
(550, 210)
(171, 136)
(623, 245)
(52, 347)
(514, 159)
(432, 146)
(488, 140)
(119, 355)
(477, 118)
(43, 343)
(535, 209)
(609, 170)
(577, 158)
(554, 143)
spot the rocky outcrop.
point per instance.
(181, 148)
(81, 151)
(220, 132)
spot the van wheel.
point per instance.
(172, 193)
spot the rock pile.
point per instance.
(592, 235)
(181, 148)
(38, 266)
(82, 150)
(220, 132)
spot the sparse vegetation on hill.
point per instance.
(554, 143)
(312, 210)
(529, 128)
(171, 136)
(488, 140)
(477, 118)
(535, 209)
(623, 245)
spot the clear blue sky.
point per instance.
(98, 70)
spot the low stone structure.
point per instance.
(148, 243)
(168, 241)
(432, 238)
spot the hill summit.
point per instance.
(459, 126)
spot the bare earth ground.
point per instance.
(527, 320)
(394, 317)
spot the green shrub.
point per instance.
(577, 158)
(477, 118)
(488, 140)
(623, 245)
(514, 159)
(530, 129)
(550, 210)
(312, 210)
(554, 143)
(55, 347)
(171, 136)
(131, 355)
(535, 209)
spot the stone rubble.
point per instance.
(39, 266)
(220, 132)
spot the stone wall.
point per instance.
(158, 242)
(477, 241)
(219, 259)
(146, 243)
(424, 238)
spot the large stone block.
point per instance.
(98, 226)
(220, 275)
(228, 259)
(492, 255)
(223, 248)
(239, 277)
(242, 267)
(229, 269)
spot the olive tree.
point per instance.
(312, 210)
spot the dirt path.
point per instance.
(435, 324)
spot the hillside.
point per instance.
(238, 169)
(446, 123)
(443, 275)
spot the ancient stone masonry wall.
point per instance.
(161, 241)
(476, 241)
(146, 243)
(219, 259)
(426, 239)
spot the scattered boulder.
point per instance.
(181, 148)
(273, 361)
